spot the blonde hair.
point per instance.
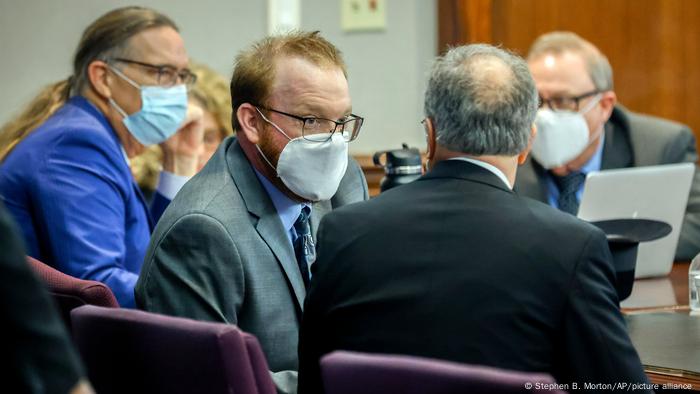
(211, 92)
(254, 70)
(106, 37)
(558, 42)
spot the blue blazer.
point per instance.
(69, 187)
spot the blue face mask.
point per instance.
(162, 112)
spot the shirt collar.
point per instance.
(488, 167)
(126, 157)
(288, 210)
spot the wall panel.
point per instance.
(653, 45)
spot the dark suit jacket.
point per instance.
(37, 355)
(635, 140)
(220, 253)
(458, 267)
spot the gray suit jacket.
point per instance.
(636, 140)
(220, 253)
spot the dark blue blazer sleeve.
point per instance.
(158, 205)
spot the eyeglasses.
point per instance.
(565, 103)
(321, 130)
(165, 75)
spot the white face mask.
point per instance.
(561, 136)
(311, 170)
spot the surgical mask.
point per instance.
(311, 170)
(162, 112)
(561, 136)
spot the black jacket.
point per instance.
(456, 266)
(38, 354)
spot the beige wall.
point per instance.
(387, 69)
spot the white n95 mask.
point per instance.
(312, 170)
(561, 137)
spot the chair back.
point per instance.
(261, 371)
(69, 292)
(128, 350)
(349, 372)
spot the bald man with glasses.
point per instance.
(582, 128)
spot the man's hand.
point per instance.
(181, 152)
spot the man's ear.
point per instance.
(522, 156)
(429, 138)
(607, 103)
(251, 124)
(100, 78)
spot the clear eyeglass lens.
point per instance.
(563, 104)
(322, 129)
(168, 77)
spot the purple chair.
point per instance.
(130, 351)
(70, 292)
(349, 372)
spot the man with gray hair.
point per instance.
(581, 128)
(457, 266)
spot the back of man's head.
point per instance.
(482, 101)
(558, 42)
(254, 70)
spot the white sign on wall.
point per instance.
(283, 16)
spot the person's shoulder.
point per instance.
(72, 141)
(69, 126)
(352, 187)
(543, 217)
(383, 207)
(650, 125)
(74, 131)
(207, 194)
(210, 193)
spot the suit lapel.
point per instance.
(319, 210)
(617, 150)
(268, 225)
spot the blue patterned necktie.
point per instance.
(568, 185)
(304, 247)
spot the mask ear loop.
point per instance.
(117, 107)
(129, 81)
(273, 124)
(591, 104)
(123, 76)
(258, 146)
(586, 109)
(266, 160)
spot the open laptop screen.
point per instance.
(654, 192)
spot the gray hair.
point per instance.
(110, 36)
(482, 101)
(558, 42)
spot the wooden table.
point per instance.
(661, 294)
(670, 295)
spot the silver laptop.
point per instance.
(654, 192)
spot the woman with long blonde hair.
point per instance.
(64, 172)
